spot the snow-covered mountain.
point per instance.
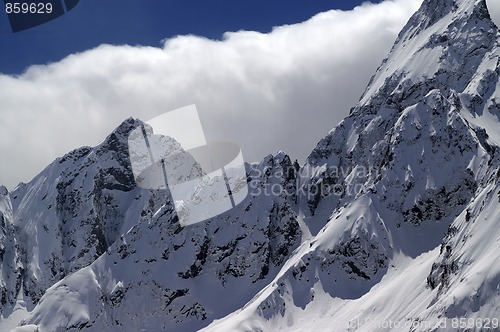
(83, 220)
(414, 249)
(391, 224)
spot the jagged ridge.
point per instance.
(402, 195)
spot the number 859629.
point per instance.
(25, 8)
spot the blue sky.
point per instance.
(147, 22)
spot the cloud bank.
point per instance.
(266, 92)
(494, 8)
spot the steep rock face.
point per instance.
(422, 80)
(442, 47)
(189, 275)
(69, 214)
(11, 268)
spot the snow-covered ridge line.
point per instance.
(414, 244)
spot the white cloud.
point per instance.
(494, 9)
(267, 92)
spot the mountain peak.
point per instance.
(432, 11)
(125, 128)
(435, 9)
(117, 140)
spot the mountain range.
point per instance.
(391, 224)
